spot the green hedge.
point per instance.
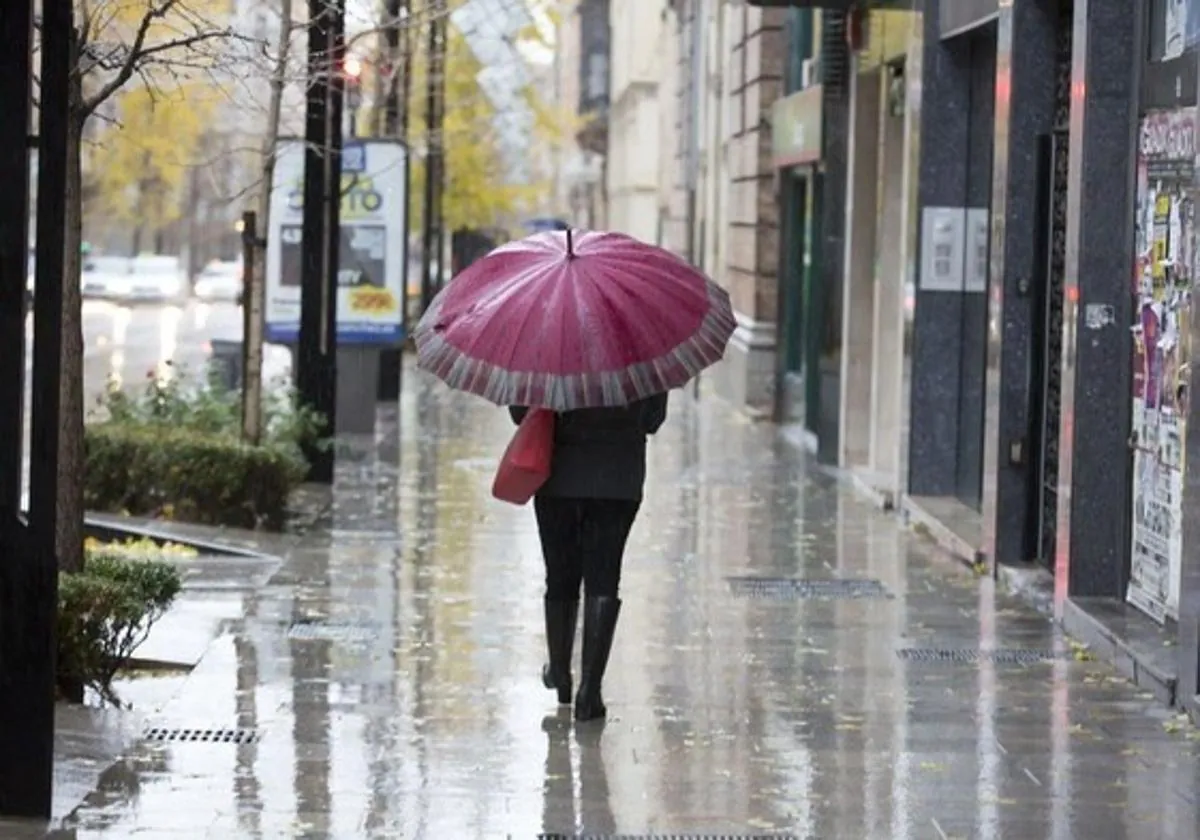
(104, 613)
(180, 473)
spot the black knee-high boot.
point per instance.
(561, 619)
(599, 624)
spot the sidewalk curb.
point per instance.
(1131, 660)
(208, 540)
(106, 529)
(922, 522)
(1033, 586)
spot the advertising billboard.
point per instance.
(370, 292)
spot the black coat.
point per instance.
(600, 453)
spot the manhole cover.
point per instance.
(202, 736)
(804, 588)
(313, 631)
(668, 837)
(1003, 656)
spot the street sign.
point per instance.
(373, 227)
(796, 128)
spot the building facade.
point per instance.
(632, 177)
(718, 206)
(879, 278)
(1013, 298)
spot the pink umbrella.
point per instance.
(575, 319)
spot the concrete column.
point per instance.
(750, 216)
(1094, 466)
(1027, 70)
(358, 377)
(892, 445)
(858, 308)
(949, 326)
(891, 272)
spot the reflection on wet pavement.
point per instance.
(410, 705)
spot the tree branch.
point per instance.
(187, 41)
(139, 51)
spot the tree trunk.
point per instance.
(69, 529)
(254, 298)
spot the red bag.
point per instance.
(526, 462)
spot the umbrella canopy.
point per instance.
(574, 319)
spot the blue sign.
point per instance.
(354, 157)
(361, 333)
(539, 225)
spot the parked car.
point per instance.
(220, 281)
(153, 278)
(105, 277)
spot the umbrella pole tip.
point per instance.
(570, 244)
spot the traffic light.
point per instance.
(351, 72)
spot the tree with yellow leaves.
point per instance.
(141, 161)
(478, 191)
(477, 194)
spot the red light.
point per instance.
(352, 67)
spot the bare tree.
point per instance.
(256, 293)
(168, 37)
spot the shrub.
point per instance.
(159, 470)
(179, 402)
(174, 451)
(105, 613)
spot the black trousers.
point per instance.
(583, 541)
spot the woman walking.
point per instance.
(585, 511)
(575, 323)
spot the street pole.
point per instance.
(252, 331)
(439, 146)
(398, 36)
(309, 358)
(395, 32)
(407, 45)
(316, 363)
(427, 203)
(29, 581)
(434, 88)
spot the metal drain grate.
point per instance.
(315, 631)
(957, 656)
(805, 589)
(667, 837)
(202, 736)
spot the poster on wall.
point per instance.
(370, 293)
(1165, 259)
(1175, 28)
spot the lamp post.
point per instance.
(316, 357)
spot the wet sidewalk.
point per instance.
(382, 680)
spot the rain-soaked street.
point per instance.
(385, 673)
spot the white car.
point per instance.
(219, 281)
(152, 279)
(105, 277)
